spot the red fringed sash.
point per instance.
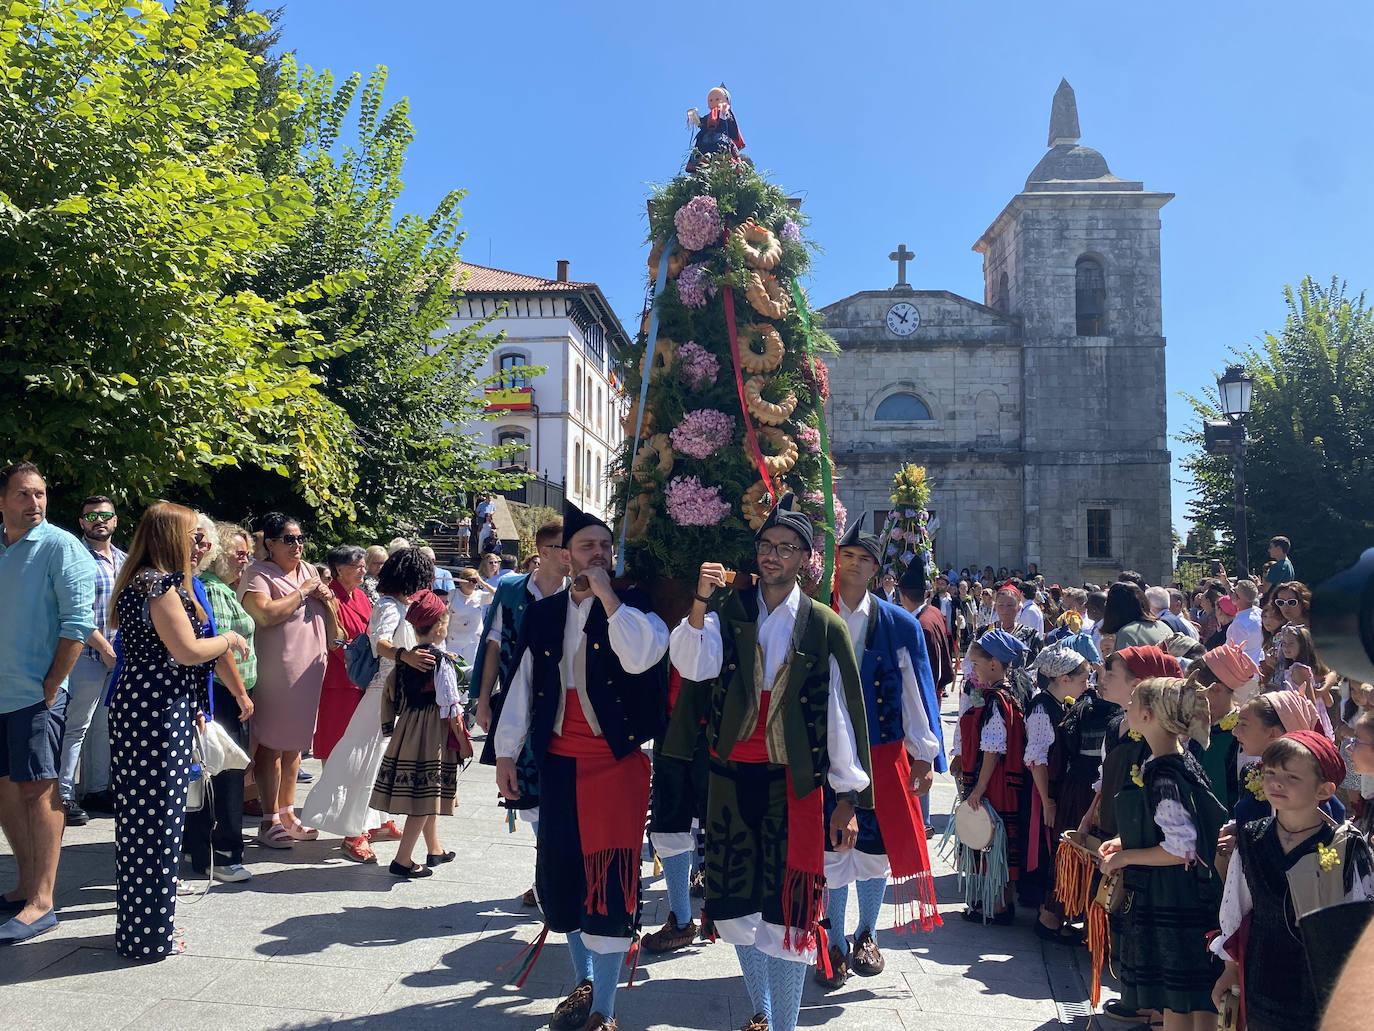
(612, 804)
(803, 882)
(904, 837)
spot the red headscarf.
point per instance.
(1328, 756)
(425, 610)
(1145, 661)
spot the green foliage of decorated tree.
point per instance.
(130, 203)
(904, 534)
(691, 486)
(1310, 466)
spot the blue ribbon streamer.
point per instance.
(646, 369)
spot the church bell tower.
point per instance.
(1075, 256)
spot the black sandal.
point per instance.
(439, 859)
(409, 873)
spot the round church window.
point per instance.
(902, 408)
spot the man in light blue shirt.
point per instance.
(47, 594)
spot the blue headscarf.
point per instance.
(1004, 647)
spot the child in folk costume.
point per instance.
(419, 772)
(1260, 721)
(1165, 848)
(1287, 867)
(1062, 675)
(992, 743)
(1221, 673)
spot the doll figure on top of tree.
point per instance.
(717, 131)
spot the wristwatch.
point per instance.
(852, 797)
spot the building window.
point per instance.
(1099, 533)
(1003, 295)
(589, 397)
(599, 408)
(598, 477)
(514, 436)
(509, 376)
(577, 388)
(587, 458)
(1090, 298)
(902, 408)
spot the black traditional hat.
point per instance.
(854, 538)
(914, 579)
(785, 515)
(574, 519)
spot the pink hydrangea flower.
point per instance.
(698, 223)
(699, 366)
(691, 504)
(808, 437)
(694, 286)
(703, 432)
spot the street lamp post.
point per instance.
(1236, 388)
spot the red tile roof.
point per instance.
(480, 279)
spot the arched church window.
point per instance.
(1003, 295)
(1090, 298)
(902, 408)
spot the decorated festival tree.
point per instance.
(727, 388)
(905, 535)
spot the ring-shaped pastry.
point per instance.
(765, 293)
(628, 422)
(761, 248)
(785, 448)
(637, 515)
(665, 353)
(771, 341)
(755, 505)
(771, 413)
(654, 456)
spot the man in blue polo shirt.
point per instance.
(47, 591)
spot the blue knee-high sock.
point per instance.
(755, 966)
(581, 958)
(870, 904)
(834, 912)
(605, 978)
(534, 827)
(785, 980)
(677, 873)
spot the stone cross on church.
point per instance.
(901, 256)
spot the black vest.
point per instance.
(629, 707)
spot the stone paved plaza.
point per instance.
(316, 942)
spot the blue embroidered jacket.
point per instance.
(890, 629)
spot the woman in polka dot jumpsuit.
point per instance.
(158, 699)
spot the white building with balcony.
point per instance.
(567, 418)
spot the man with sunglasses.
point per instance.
(773, 674)
(87, 731)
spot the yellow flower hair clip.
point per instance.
(1327, 858)
(1068, 699)
(1254, 783)
(1136, 778)
(1136, 735)
(1229, 721)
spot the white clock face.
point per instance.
(903, 318)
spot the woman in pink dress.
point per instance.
(348, 564)
(297, 624)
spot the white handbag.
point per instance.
(219, 751)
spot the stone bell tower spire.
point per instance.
(1063, 116)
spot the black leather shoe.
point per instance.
(76, 816)
(410, 873)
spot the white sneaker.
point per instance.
(235, 874)
(187, 887)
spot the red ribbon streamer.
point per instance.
(750, 435)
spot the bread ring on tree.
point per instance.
(768, 412)
(785, 448)
(756, 504)
(628, 422)
(768, 338)
(765, 294)
(655, 456)
(677, 261)
(637, 515)
(761, 248)
(665, 352)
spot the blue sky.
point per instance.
(911, 122)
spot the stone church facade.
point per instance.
(1039, 412)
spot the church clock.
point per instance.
(903, 318)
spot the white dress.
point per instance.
(338, 803)
(465, 622)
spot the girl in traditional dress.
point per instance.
(419, 773)
(1221, 673)
(992, 738)
(1062, 676)
(1166, 848)
(1286, 867)
(1260, 721)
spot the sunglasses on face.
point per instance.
(98, 517)
(197, 539)
(290, 539)
(243, 555)
(1287, 602)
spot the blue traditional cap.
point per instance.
(854, 538)
(786, 515)
(1004, 647)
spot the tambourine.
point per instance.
(974, 827)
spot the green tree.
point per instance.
(410, 400)
(1310, 464)
(136, 360)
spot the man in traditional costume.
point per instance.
(773, 674)
(495, 663)
(904, 738)
(914, 594)
(589, 689)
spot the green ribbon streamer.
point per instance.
(827, 479)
